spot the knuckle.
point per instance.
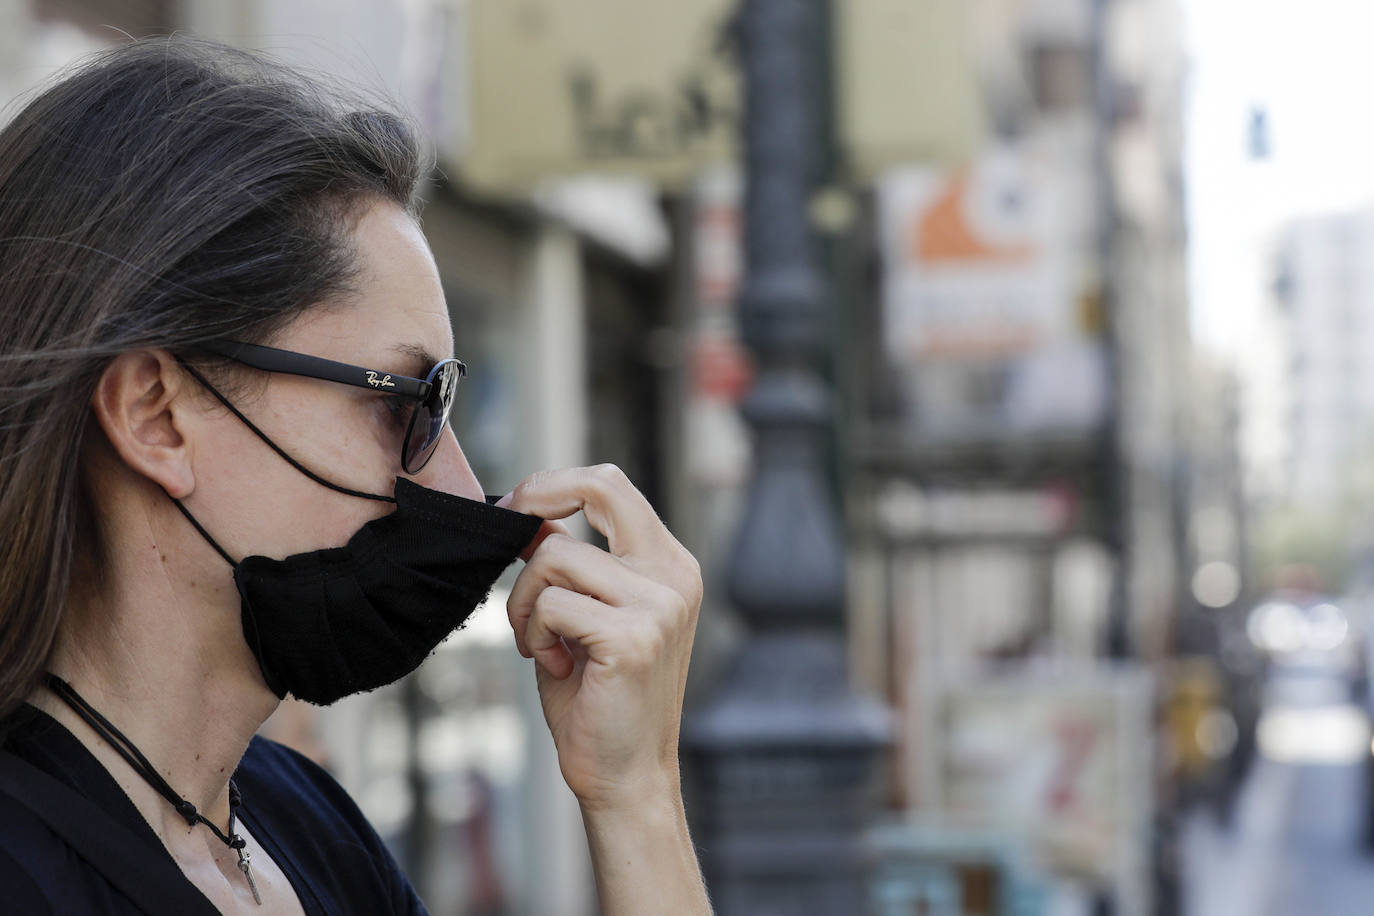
(543, 602)
(548, 602)
(608, 470)
(538, 635)
(674, 605)
(692, 578)
(683, 576)
(609, 476)
(644, 645)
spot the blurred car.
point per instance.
(1294, 626)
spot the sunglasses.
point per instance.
(431, 397)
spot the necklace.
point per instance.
(126, 749)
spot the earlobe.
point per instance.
(140, 404)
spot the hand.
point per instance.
(610, 633)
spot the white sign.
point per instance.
(1064, 760)
(970, 260)
(981, 305)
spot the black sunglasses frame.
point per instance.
(274, 359)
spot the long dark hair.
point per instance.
(164, 193)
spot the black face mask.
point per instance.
(334, 622)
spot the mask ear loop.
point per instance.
(276, 448)
(203, 533)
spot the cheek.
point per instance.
(347, 437)
(387, 430)
(255, 502)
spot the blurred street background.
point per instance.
(1008, 365)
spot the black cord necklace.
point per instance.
(142, 767)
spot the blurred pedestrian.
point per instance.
(228, 476)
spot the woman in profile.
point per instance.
(227, 475)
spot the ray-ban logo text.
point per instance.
(379, 381)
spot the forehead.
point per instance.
(396, 306)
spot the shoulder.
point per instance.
(290, 794)
(274, 771)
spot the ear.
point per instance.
(140, 403)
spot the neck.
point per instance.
(164, 660)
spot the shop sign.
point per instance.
(558, 89)
(981, 298)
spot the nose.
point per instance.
(448, 470)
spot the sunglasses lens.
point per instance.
(431, 416)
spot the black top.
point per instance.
(303, 818)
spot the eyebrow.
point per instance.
(419, 356)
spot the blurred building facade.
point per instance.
(1324, 291)
(1036, 442)
(1318, 299)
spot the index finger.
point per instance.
(612, 504)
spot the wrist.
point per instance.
(650, 793)
(641, 850)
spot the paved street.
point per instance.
(1296, 847)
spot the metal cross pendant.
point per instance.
(246, 867)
